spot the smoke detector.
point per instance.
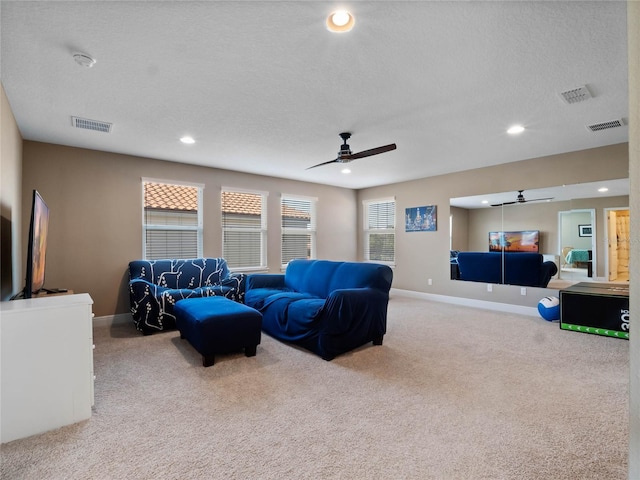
(84, 60)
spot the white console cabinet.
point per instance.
(46, 364)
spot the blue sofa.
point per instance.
(324, 306)
(520, 268)
(156, 285)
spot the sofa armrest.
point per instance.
(145, 305)
(347, 309)
(265, 280)
(547, 270)
(140, 287)
(238, 282)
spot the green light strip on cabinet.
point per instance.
(597, 331)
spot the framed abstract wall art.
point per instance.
(421, 219)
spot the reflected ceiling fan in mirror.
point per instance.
(520, 199)
(345, 155)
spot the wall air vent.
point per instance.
(596, 127)
(87, 124)
(575, 95)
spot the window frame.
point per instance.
(263, 229)
(367, 232)
(200, 215)
(311, 229)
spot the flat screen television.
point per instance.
(36, 246)
(519, 241)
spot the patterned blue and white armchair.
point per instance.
(156, 285)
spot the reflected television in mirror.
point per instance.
(517, 241)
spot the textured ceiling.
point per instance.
(263, 87)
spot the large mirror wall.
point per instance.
(581, 228)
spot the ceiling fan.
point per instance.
(345, 155)
(520, 199)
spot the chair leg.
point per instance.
(250, 351)
(378, 340)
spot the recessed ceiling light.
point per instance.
(515, 130)
(345, 171)
(187, 139)
(603, 189)
(340, 21)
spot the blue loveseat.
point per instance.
(324, 306)
(156, 285)
(520, 268)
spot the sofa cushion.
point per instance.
(180, 273)
(321, 277)
(310, 276)
(480, 266)
(255, 297)
(361, 275)
(290, 315)
(522, 269)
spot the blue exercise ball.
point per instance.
(549, 308)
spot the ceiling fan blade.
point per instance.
(373, 151)
(539, 199)
(324, 163)
(521, 201)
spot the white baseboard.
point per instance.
(111, 320)
(469, 302)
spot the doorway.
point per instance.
(617, 239)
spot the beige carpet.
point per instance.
(454, 393)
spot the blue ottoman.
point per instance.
(218, 325)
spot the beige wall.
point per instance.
(96, 215)
(10, 201)
(425, 255)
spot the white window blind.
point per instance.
(379, 230)
(172, 220)
(244, 229)
(298, 216)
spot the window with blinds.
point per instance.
(298, 216)
(172, 220)
(380, 230)
(244, 229)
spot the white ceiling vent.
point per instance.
(596, 127)
(575, 95)
(87, 124)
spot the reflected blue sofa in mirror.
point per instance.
(520, 268)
